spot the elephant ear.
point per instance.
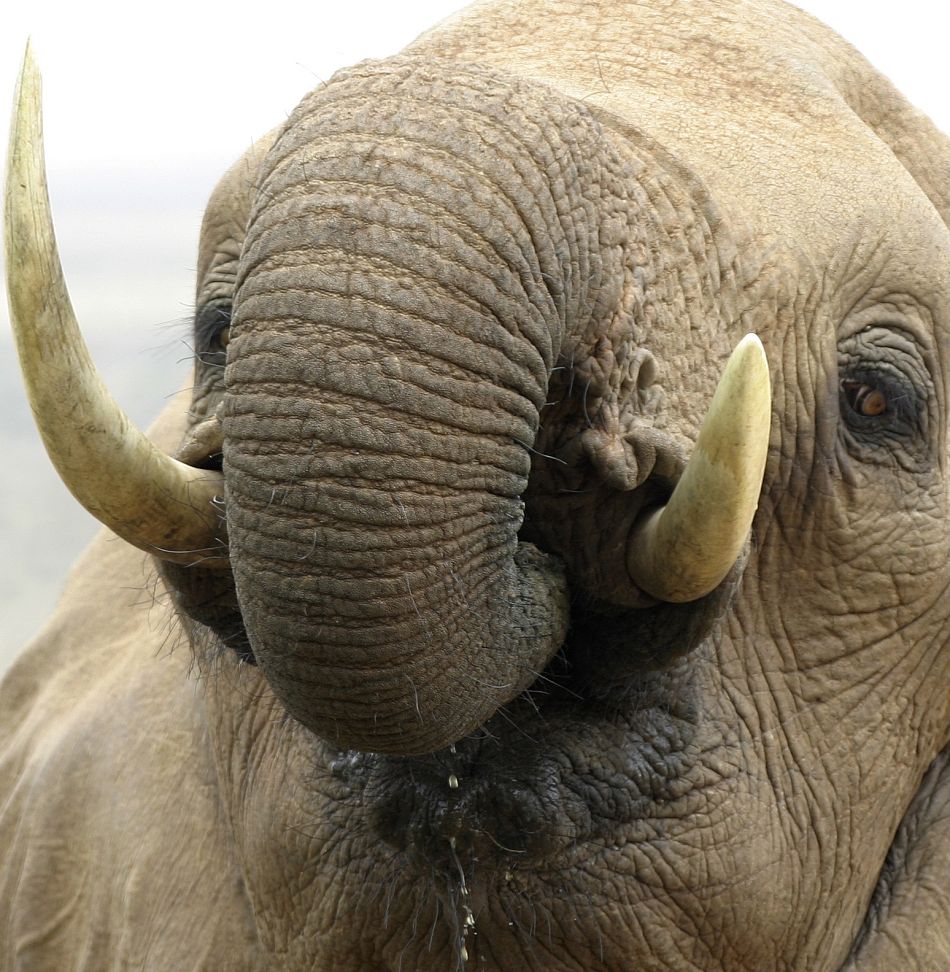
(908, 921)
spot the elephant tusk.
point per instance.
(117, 474)
(685, 549)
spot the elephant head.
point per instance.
(468, 488)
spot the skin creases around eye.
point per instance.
(864, 399)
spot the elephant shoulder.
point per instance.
(113, 848)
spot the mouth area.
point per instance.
(604, 745)
(569, 764)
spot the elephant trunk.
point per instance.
(401, 303)
(406, 290)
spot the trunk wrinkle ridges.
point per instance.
(405, 290)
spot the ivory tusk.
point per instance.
(117, 474)
(684, 550)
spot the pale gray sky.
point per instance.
(145, 105)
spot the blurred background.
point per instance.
(145, 107)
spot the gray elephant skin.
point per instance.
(396, 668)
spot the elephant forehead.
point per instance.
(755, 98)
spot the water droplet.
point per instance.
(508, 875)
(453, 781)
(464, 953)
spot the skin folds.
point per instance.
(459, 322)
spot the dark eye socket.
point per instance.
(212, 333)
(886, 397)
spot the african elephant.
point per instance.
(552, 567)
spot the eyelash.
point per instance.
(212, 333)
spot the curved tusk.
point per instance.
(685, 549)
(146, 497)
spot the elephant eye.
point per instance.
(867, 400)
(212, 333)
(886, 397)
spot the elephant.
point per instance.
(547, 566)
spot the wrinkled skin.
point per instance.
(606, 197)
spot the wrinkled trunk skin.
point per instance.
(391, 349)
